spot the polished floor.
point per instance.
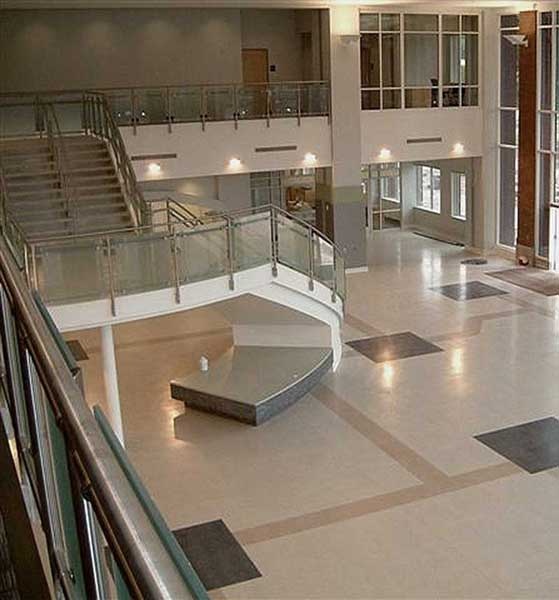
(374, 485)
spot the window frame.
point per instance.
(456, 179)
(462, 87)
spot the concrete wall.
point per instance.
(64, 49)
(442, 225)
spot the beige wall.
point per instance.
(59, 49)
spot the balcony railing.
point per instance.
(169, 105)
(104, 536)
(179, 251)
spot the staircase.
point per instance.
(34, 172)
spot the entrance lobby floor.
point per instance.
(373, 485)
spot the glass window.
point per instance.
(370, 60)
(546, 36)
(451, 23)
(368, 22)
(469, 59)
(370, 99)
(509, 21)
(429, 188)
(507, 197)
(391, 60)
(459, 195)
(390, 22)
(509, 73)
(451, 59)
(509, 127)
(421, 60)
(421, 22)
(470, 23)
(544, 198)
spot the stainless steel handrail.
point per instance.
(148, 568)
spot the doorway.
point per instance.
(255, 65)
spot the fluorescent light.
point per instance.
(458, 148)
(310, 158)
(385, 154)
(154, 168)
(235, 163)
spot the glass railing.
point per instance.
(22, 115)
(103, 535)
(93, 267)
(227, 102)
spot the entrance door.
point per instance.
(255, 65)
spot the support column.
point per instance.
(525, 246)
(345, 209)
(110, 377)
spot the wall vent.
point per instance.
(152, 156)
(425, 140)
(275, 148)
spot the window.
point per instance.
(429, 188)
(459, 195)
(419, 60)
(390, 181)
(508, 134)
(265, 188)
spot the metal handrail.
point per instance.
(149, 569)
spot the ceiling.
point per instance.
(436, 5)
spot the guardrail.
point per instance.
(104, 539)
(181, 251)
(169, 105)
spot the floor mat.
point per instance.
(537, 280)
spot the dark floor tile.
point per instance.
(216, 555)
(393, 347)
(468, 291)
(533, 446)
(77, 350)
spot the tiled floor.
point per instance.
(374, 486)
(470, 290)
(393, 347)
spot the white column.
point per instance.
(346, 200)
(110, 377)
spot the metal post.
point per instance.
(168, 108)
(235, 107)
(109, 254)
(334, 278)
(311, 258)
(134, 116)
(230, 253)
(174, 251)
(268, 106)
(274, 240)
(203, 107)
(299, 105)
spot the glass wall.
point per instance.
(405, 57)
(547, 127)
(508, 134)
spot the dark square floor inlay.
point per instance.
(216, 555)
(77, 350)
(468, 291)
(533, 446)
(393, 347)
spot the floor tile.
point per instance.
(77, 350)
(468, 291)
(533, 446)
(393, 347)
(216, 555)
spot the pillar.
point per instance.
(527, 102)
(344, 206)
(110, 378)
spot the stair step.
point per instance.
(42, 192)
(16, 177)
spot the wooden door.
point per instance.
(255, 65)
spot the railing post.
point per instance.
(174, 252)
(274, 240)
(110, 270)
(168, 109)
(299, 104)
(268, 105)
(203, 106)
(334, 278)
(134, 115)
(311, 259)
(230, 253)
(235, 107)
